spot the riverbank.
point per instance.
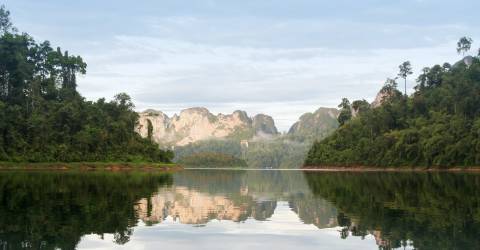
(388, 169)
(108, 166)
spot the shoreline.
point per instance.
(91, 166)
(388, 169)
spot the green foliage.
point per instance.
(464, 44)
(5, 24)
(274, 153)
(360, 106)
(149, 130)
(226, 147)
(405, 69)
(436, 126)
(345, 111)
(212, 159)
(44, 118)
(279, 153)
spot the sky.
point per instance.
(282, 58)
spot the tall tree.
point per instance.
(464, 45)
(405, 71)
(346, 111)
(149, 130)
(5, 24)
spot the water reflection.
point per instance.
(285, 208)
(192, 207)
(54, 210)
(427, 211)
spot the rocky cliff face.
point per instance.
(196, 124)
(315, 125)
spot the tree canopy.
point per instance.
(464, 44)
(44, 118)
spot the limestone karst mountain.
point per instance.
(315, 125)
(196, 124)
(252, 139)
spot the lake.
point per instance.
(237, 209)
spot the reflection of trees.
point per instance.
(433, 211)
(266, 183)
(54, 210)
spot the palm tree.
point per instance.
(405, 71)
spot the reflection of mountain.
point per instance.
(235, 196)
(313, 210)
(430, 211)
(193, 207)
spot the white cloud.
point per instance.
(283, 82)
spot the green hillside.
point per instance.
(438, 125)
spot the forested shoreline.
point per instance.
(436, 126)
(43, 118)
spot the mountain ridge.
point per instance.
(198, 123)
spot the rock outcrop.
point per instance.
(264, 126)
(196, 124)
(380, 98)
(317, 125)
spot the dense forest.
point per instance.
(280, 152)
(44, 119)
(212, 159)
(436, 126)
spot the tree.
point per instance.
(390, 86)
(124, 100)
(5, 24)
(149, 130)
(345, 104)
(464, 45)
(405, 71)
(360, 106)
(345, 113)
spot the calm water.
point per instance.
(225, 209)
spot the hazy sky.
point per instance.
(283, 57)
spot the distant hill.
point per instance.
(316, 125)
(266, 148)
